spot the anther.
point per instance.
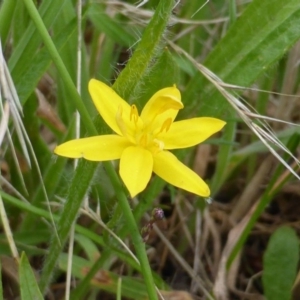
(134, 114)
(166, 125)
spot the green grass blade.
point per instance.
(6, 13)
(65, 76)
(112, 27)
(224, 155)
(28, 285)
(232, 11)
(45, 214)
(26, 82)
(28, 45)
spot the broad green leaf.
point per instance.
(280, 264)
(28, 285)
(259, 38)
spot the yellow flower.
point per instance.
(141, 142)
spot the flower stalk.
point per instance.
(133, 229)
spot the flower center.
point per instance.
(145, 136)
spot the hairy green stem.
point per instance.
(138, 243)
(147, 50)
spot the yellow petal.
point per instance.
(162, 105)
(190, 132)
(96, 148)
(136, 168)
(168, 167)
(109, 104)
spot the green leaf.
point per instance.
(6, 13)
(88, 246)
(28, 285)
(112, 27)
(27, 81)
(259, 38)
(280, 264)
(29, 43)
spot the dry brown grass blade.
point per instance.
(4, 121)
(47, 112)
(10, 98)
(221, 284)
(287, 104)
(210, 228)
(183, 264)
(10, 108)
(8, 231)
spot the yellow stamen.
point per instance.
(134, 114)
(120, 121)
(166, 125)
